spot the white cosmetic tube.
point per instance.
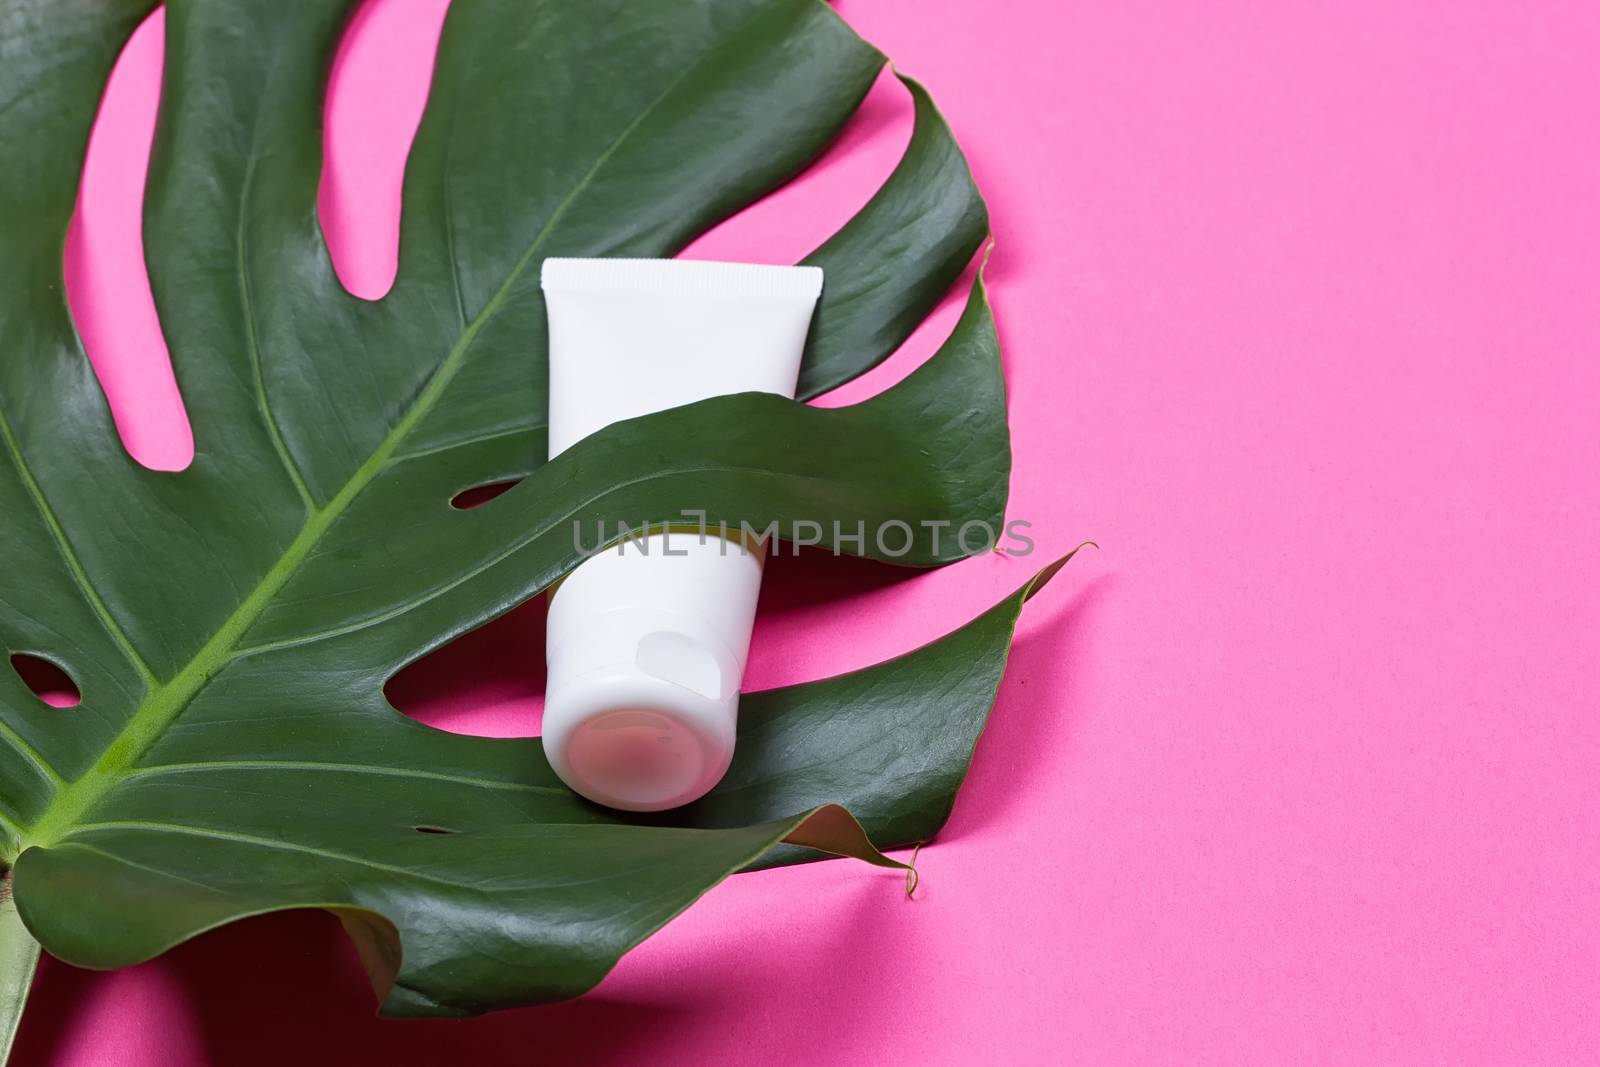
(647, 649)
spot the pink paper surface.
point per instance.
(1300, 314)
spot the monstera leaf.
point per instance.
(231, 626)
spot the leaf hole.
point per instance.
(480, 495)
(486, 683)
(432, 830)
(376, 93)
(48, 681)
(107, 283)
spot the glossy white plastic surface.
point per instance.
(647, 643)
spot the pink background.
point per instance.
(1300, 311)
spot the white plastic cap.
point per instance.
(641, 706)
(645, 655)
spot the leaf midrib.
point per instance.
(165, 702)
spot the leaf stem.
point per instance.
(19, 956)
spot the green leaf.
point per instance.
(231, 627)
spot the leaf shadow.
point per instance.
(58, 1003)
(302, 997)
(1032, 719)
(714, 988)
(798, 582)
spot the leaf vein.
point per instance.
(166, 769)
(252, 334)
(466, 442)
(70, 555)
(215, 833)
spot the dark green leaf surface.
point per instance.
(231, 626)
